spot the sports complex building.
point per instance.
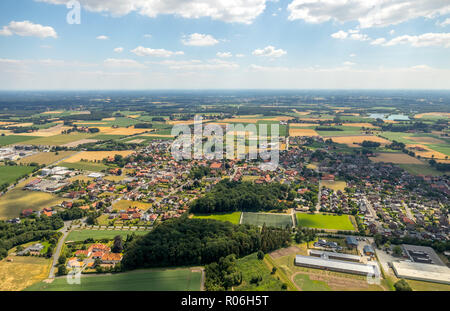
(421, 271)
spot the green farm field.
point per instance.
(58, 140)
(320, 221)
(231, 217)
(138, 280)
(251, 266)
(85, 166)
(271, 220)
(14, 139)
(81, 235)
(9, 174)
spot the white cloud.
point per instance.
(424, 40)
(340, 35)
(352, 34)
(198, 39)
(102, 37)
(269, 51)
(122, 63)
(240, 55)
(142, 51)
(147, 36)
(392, 32)
(349, 63)
(369, 13)
(352, 55)
(378, 41)
(237, 11)
(118, 50)
(28, 29)
(224, 54)
(444, 23)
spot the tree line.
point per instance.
(187, 242)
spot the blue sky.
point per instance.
(201, 44)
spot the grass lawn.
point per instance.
(320, 221)
(22, 272)
(14, 139)
(81, 235)
(85, 166)
(9, 174)
(139, 280)
(46, 157)
(231, 217)
(271, 220)
(251, 266)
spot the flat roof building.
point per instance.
(337, 265)
(421, 271)
(333, 255)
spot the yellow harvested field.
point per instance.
(425, 152)
(46, 157)
(136, 141)
(433, 114)
(6, 123)
(352, 141)
(109, 119)
(90, 122)
(360, 125)
(122, 131)
(240, 120)
(187, 122)
(278, 119)
(302, 132)
(303, 124)
(96, 155)
(124, 204)
(53, 112)
(22, 124)
(22, 272)
(156, 135)
(335, 185)
(396, 158)
(52, 131)
(301, 113)
(316, 119)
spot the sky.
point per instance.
(224, 44)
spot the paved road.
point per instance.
(59, 246)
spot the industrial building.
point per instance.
(333, 255)
(337, 265)
(421, 271)
(422, 254)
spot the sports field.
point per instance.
(231, 217)
(138, 280)
(271, 220)
(81, 235)
(320, 221)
